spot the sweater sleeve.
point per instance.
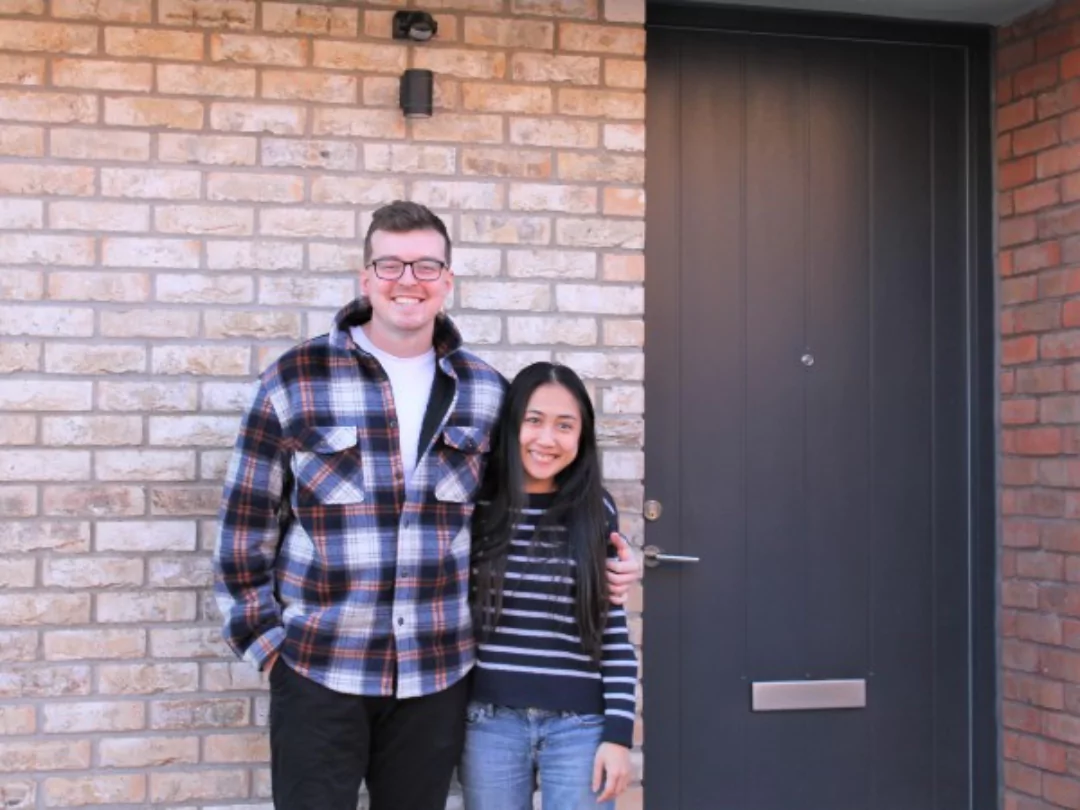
(618, 664)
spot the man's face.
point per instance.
(405, 308)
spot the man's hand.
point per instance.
(611, 770)
(622, 573)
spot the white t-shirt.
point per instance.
(410, 381)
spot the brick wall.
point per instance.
(182, 188)
(1038, 147)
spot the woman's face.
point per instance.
(549, 436)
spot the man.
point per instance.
(343, 559)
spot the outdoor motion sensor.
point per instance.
(418, 26)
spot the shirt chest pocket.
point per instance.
(462, 453)
(327, 467)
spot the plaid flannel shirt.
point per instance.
(362, 583)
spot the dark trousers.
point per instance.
(323, 744)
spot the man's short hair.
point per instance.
(401, 216)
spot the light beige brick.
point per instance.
(15, 7)
(99, 144)
(17, 429)
(356, 190)
(98, 216)
(546, 197)
(603, 233)
(45, 608)
(582, 9)
(624, 202)
(409, 158)
(173, 113)
(143, 465)
(28, 179)
(17, 500)
(210, 361)
(509, 363)
(601, 39)
(309, 154)
(22, 141)
(202, 713)
(479, 329)
(158, 606)
(73, 251)
(307, 18)
(555, 68)
(82, 645)
(192, 431)
(624, 333)
(198, 786)
(615, 366)
(44, 755)
(237, 748)
(358, 123)
(213, 464)
(600, 299)
(53, 37)
(151, 323)
(60, 537)
(186, 501)
(458, 195)
(458, 128)
(472, 261)
(508, 33)
(150, 253)
(205, 219)
(227, 14)
(17, 720)
(51, 681)
(147, 396)
(44, 465)
(624, 11)
(83, 358)
(180, 572)
(94, 500)
(362, 56)
(22, 285)
(604, 103)
(255, 187)
(90, 430)
(505, 229)
(18, 794)
(147, 752)
(54, 108)
(491, 162)
(624, 137)
(547, 330)
(465, 64)
(69, 718)
(205, 289)
(202, 80)
(253, 324)
(45, 321)
(626, 73)
(19, 355)
(151, 535)
(623, 465)
(121, 11)
(147, 679)
(76, 791)
(468, 5)
(188, 642)
(147, 42)
(502, 295)
(162, 184)
(26, 70)
(327, 88)
(254, 50)
(337, 258)
(308, 222)
(260, 255)
(506, 98)
(14, 574)
(624, 267)
(558, 264)
(314, 292)
(135, 77)
(209, 150)
(274, 119)
(232, 676)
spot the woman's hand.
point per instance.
(611, 770)
(622, 573)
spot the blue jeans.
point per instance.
(507, 749)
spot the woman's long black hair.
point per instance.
(578, 506)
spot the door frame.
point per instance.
(981, 281)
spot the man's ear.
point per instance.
(365, 282)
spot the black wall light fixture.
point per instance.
(417, 86)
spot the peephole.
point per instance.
(419, 26)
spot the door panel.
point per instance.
(805, 414)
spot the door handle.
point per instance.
(655, 555)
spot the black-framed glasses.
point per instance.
(422, 269)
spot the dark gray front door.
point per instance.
(807, 421)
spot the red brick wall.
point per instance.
(1038, 177)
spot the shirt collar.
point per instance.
(358, 312)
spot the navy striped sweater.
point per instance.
(534, 659)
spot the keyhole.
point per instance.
(808, 359)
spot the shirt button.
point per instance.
(403, 573)
(400, 621)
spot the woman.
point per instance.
(553, 688)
